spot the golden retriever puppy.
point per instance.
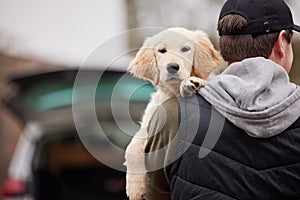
(176, 61)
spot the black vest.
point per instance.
(220, 161)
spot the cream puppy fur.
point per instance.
(176, 61)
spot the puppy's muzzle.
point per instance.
(172, 68)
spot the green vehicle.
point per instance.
(77, 124)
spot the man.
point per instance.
(240, 138)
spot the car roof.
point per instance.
(29, 96)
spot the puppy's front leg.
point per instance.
(191, 85)
(136, 170)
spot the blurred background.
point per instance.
(38, 36)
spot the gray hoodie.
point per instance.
(255, 95)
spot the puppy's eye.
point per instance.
(163, 50)
(185, 49)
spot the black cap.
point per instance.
(263, 16)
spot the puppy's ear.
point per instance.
(144, 65)
(206, 58)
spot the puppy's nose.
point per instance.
(172, 68)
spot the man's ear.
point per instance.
(278, 50)
(279, 46)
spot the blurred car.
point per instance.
(51, 160)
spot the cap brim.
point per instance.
(296, 28)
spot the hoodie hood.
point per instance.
(255, 95)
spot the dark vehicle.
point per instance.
(57, 156)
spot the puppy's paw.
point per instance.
(191, 85)
(136, 186)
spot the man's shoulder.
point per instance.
(195, 101)
(171, 108)
(295, 126)
(171, 103)
(168, 111)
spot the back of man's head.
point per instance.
(249, 28)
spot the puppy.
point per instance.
(176, 61)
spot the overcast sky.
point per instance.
(61, 31)
(67, 31)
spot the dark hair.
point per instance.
(239, 47)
